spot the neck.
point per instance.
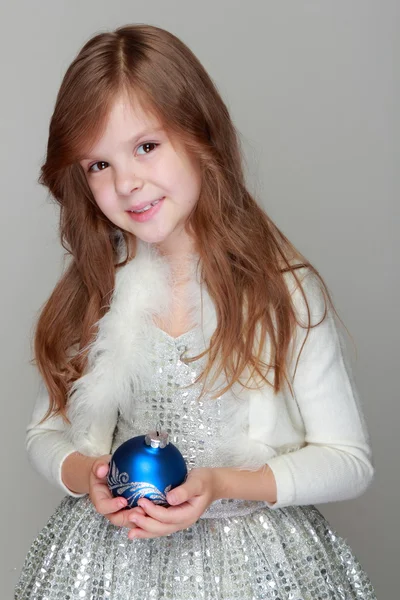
(177, 247)
(181, 256)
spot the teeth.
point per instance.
(146, 208)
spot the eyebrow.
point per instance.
(136, 138)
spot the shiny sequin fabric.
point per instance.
(237, 550)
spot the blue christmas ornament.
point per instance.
(146, 466)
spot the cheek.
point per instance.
(193, 187)
(188, 180)
(103, 196)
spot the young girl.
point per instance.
(183, 304)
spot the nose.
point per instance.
(126, 181)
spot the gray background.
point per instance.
(312, 86)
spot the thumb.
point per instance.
(192, 487)
(101, 465)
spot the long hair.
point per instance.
(243, 254)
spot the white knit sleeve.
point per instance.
(336, 463)
(46, 443)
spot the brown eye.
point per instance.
(148, 145)
(103, 166)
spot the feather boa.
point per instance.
(118, 364)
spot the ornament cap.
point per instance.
(157, 438)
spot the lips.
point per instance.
(143, 205)
(146, 214)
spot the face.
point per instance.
(135, 167)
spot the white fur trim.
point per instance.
(120, 354)
(118, 357)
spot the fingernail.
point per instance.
(133, 520)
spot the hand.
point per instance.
(187, 503)
(113, 509)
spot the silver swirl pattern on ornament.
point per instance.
(138, 489)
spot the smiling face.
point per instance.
(133, 165)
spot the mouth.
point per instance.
(146, 212)
(139, 211)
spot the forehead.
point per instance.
(131, 111)
(126, 121)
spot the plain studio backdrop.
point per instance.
(312, 88)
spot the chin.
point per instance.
(152, 239)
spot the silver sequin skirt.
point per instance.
(286, 554)
(237, 550)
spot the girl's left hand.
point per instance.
(187, 503)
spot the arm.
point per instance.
(75, 472)
(52, 455)
(190, 500)
(244, 485)
(336, 463)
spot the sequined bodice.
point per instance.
(172, 400)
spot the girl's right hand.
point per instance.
(113, 509)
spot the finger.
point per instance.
(101, 471)
(99, 489)
(108, 506)
(104, 501)
(137, 510)
(105, 504)
(126, 514)
(121, 518)
(164, 515)
(149, 527)
(182, 493)
(101, 466)
(152, 525)
(156, 511)
(100, 493)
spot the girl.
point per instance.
(183, 304)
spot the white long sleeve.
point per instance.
(336, 463)
(47, 444)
